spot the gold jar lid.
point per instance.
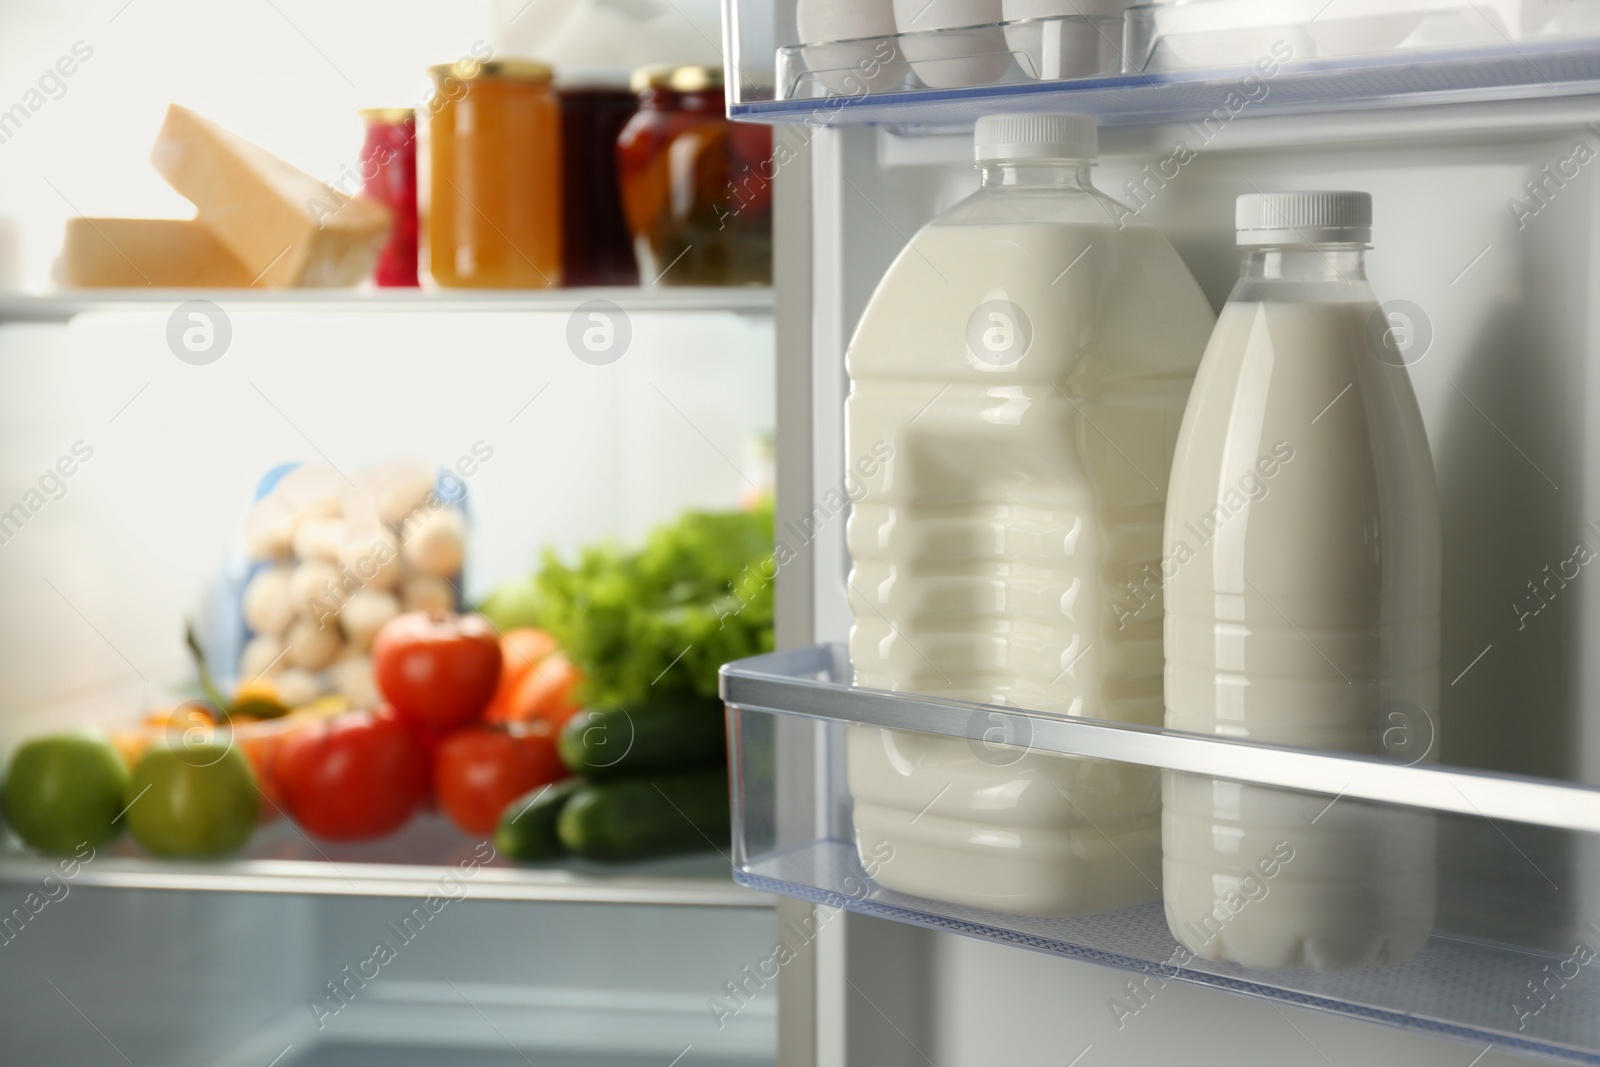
(525, 70)
(388, 116)
(681, 79)
(652, 77)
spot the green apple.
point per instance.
(65, 790)
(192, 800)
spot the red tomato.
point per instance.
(355, 775)
(481, 769)
(437, 670)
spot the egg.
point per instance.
(1053, 45)
(837, 56)
(975, 56)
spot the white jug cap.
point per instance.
(1316, 218)
(1029, 136)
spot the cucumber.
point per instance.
(640, 818)
(649, 739)
(527, 829)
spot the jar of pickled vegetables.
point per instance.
(696, 188)
(494, 184)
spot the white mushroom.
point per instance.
(313, 490)
(401, 489)
(295, 686)
(260, 655)
(316, 590)
(267, 610)
(424, 592)
(311, 646)
(360, 503)
(372, 556)
(364, 615)
(269, 528)
(352, 679)
(438, 544)
(319, 539)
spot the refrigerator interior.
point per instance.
(258, 959)
(1503, 282)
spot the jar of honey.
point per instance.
(494, 182)
(696, 188)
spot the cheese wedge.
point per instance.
(135, 253)
(286, 227)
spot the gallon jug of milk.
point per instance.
(1302, 603)
(1017, 383)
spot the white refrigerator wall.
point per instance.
(1508, 398)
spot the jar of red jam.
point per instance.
(696, 188)
(389, 175)
(596, 247)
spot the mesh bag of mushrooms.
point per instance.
(332, 560)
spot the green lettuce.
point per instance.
(658, 623)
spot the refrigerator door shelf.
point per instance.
(1018, 52)
(1508, 958)
(1164, 62)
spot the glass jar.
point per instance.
(389, 176)
(596, 247)
(494, 185)
(696, 188)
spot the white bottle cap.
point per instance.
(1036, 137)
(1318, 218)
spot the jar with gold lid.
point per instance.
(494, 182)
(696, 188)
